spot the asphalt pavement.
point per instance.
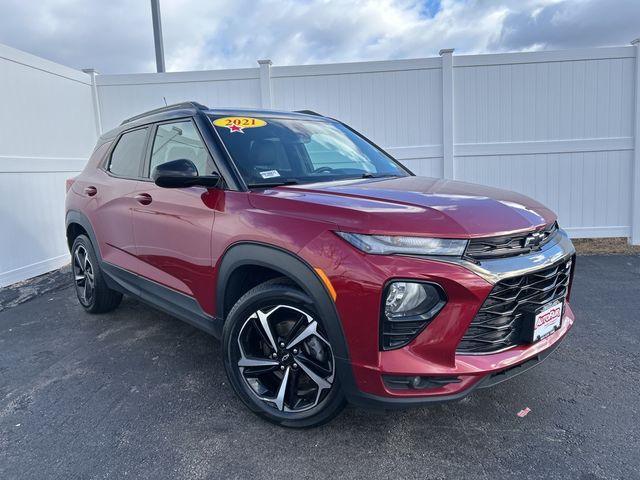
(138, 394)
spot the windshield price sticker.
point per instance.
(238, 124)
(270, 174)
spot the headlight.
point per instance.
(387, 244)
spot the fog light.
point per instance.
(407, 308)
(409, 299)
(404, 296)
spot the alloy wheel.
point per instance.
(285, 359)
(84, 275)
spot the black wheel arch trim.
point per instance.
(291, 266)
(74, 216)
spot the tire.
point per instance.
(274, 337)
(93, 293)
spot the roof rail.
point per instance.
(309, 112)
(168, 108)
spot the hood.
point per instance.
(409, 206)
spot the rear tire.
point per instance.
(278, 359)
(93, 293)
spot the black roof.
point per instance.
(184, 109)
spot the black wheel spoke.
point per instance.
(308, 331)
(257, 371)
(282, 390)
(258, 327)
(263, 325)
(317, 379)
(78, 260)
(292, 397)
(299, 325)
(83, 275)
(321, 370)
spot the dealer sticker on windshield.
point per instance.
(547, 320)
(270, 174)
(238, 124)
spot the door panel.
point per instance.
(111, 198)
(111, 219)
(172, 227)
(173, 237)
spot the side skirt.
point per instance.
(174, 303)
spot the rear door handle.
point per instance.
(91, 191)
(143, 198)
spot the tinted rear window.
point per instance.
(127, 156)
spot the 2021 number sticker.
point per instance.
(238, 124)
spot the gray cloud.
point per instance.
(116, 37)
(572, 24)
(112, 36)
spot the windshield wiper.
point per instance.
(383, 175)
(273, 184)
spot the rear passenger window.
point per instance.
(179, 141)
(127, 156)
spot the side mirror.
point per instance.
(180, 174)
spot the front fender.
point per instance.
(303, 274)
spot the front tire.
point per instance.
(93, 293)
(278, 359)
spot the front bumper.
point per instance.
(358, 279)
(474, 372)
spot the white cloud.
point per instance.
(116, 36)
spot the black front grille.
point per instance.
(509, 245)
(502, 319)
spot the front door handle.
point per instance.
(91, 190)
(143, 198)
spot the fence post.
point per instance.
(448, 159)
(96, 101)
(265, 83)
(634, 239)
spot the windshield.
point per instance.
(277, 151)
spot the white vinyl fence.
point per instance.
(47, 132)
(558, 126)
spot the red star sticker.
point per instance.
(235, 128)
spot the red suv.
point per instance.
(330, 272)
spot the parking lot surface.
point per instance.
(138, 394)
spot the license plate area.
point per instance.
(547, 320)
(543, 321)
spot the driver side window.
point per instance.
(177, 141)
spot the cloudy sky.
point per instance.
(115, 36)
